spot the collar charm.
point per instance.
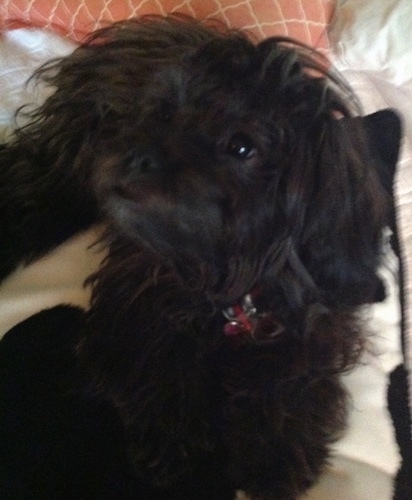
(245, 322)
(242, 318)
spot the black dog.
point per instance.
(244, 206)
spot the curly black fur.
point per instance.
(220, 167)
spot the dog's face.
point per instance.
(184, 165)
(191, 159)
(209, 149)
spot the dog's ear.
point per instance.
(351, 205)
(384, 130)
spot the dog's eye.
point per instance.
(241, 147)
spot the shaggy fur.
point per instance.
(221, 168)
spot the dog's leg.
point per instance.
(39, 209)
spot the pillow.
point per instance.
(305, 20)
(374, 35)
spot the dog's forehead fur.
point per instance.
(189, 63)
(185, 83)
(180, 98)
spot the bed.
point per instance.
(368, 41)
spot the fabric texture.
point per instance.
(305, 20)
(374, 35)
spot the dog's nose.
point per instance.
(145, 161)
(146, 164)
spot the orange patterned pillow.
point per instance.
(305, 20)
